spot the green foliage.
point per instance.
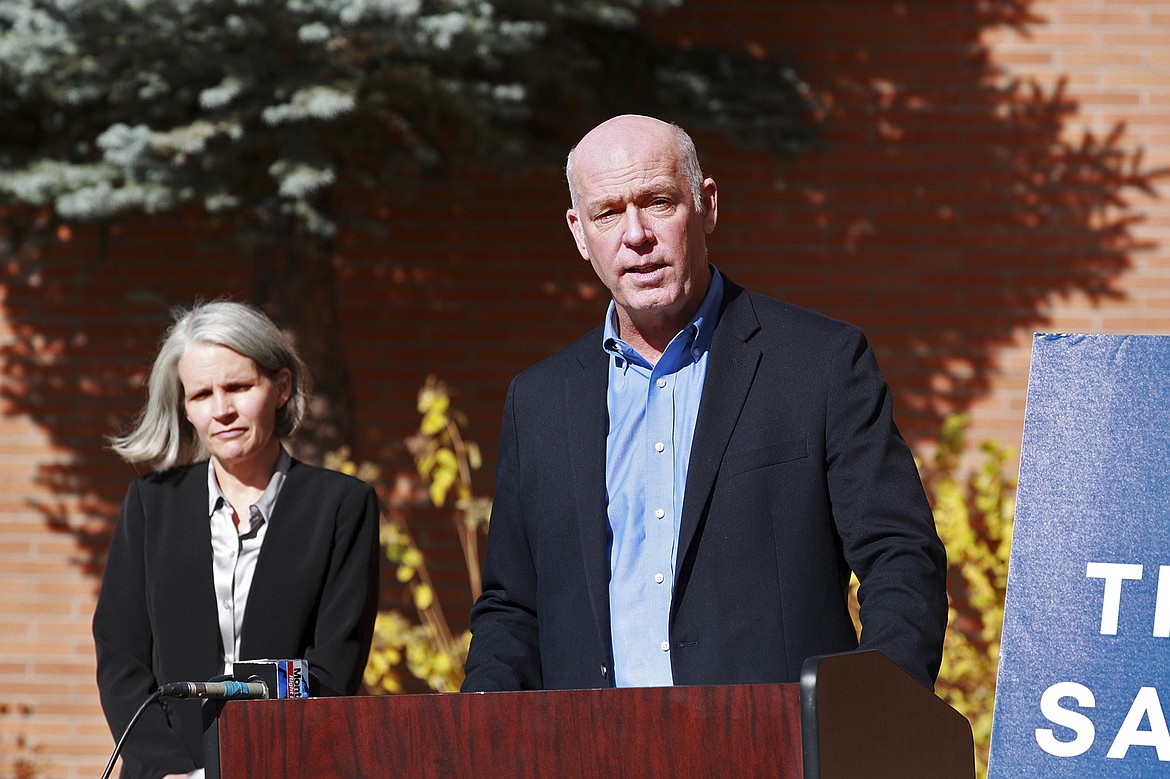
(256, 109)
(974, 514)
(419, 639)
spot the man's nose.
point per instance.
(636, 230)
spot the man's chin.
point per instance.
(653, 309)
(647, 304)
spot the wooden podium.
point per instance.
(852, 715)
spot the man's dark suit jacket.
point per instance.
(314, 596)
(797, 474)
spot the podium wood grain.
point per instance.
(741, 730)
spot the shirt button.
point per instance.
(665, 646)
(227, 604)
(658, 447)
(661, 383)
(695, 352)
(659, 578)
(660, 513)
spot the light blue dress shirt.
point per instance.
(652, 414)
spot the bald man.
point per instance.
(682, 493)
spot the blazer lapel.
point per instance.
(286, 539)
(732, 365)
(586, 420)
(185, 564)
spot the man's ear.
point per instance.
(710, 196)
(578, 231)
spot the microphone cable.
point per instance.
(154, 696)
(226, 689)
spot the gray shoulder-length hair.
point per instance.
(161, 436)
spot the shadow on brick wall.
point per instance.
(84, 319)
(943, 209)
(948, 204)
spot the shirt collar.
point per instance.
(708, 315)
(266, 500)
(699, 330)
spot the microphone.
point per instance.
(216, 691)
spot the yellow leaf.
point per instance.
(438, 494)
(434, 391)
(427, 396)
(433, 422)
(424, 596)
(425, 464)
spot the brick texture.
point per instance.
(984, 172)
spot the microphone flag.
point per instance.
(284, 678)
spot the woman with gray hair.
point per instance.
(230, 549)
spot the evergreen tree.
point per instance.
(256, 110)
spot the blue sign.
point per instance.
(1084, 674)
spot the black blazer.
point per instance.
(797, 475)
(314, 595)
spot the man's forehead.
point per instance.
(630, 179)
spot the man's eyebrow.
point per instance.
(601, 204)
(641, 194)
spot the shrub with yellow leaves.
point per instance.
(427, 649)
(973, 513)
(445, 460)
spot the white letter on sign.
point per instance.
(1162, 609)
(1078, 723)
(1113, 574)
(1145, 704)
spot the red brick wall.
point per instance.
(950, 208)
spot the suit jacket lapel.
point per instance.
(185, 575)
(285, 540)
(586, 420)
(731, 368)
